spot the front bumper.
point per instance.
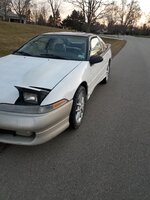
(33, 129)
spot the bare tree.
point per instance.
(55, 5)
(124, 14)
(21, 7)
(44, 13)
(129, 13)
(5, 7)
(91, 9)
(112, 13)
(34, 14)
(148, 19)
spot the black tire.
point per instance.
(78, 108)
(105, 80)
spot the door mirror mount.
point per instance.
(95, 59)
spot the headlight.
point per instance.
(31, 96)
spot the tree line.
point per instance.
(88, 15)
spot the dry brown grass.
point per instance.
(13, 35)
(116, 45)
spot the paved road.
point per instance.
(108, 158)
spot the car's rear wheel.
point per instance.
(78, 108)
(105, 80)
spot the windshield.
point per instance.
(56, 46)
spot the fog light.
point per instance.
(25, 133)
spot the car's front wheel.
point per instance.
(78, 108)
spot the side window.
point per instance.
(96, 47)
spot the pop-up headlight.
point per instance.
(30, 95)
(30, 98)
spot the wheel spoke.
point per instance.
(80, 108)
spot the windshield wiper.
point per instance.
(22, 53)
(53, 56)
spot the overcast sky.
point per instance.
(145, 5)
(67, 8)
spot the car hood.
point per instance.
(25, 71)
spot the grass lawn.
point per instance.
(116, 45)
(13, 35)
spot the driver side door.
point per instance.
(96, 70)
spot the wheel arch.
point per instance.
(85, 85)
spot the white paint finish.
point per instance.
(68, 86)
(92, 75)
(18, 70)
(64, 76)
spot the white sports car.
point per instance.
(44, 85)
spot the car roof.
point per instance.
(83, 34)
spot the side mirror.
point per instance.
(95, 59)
